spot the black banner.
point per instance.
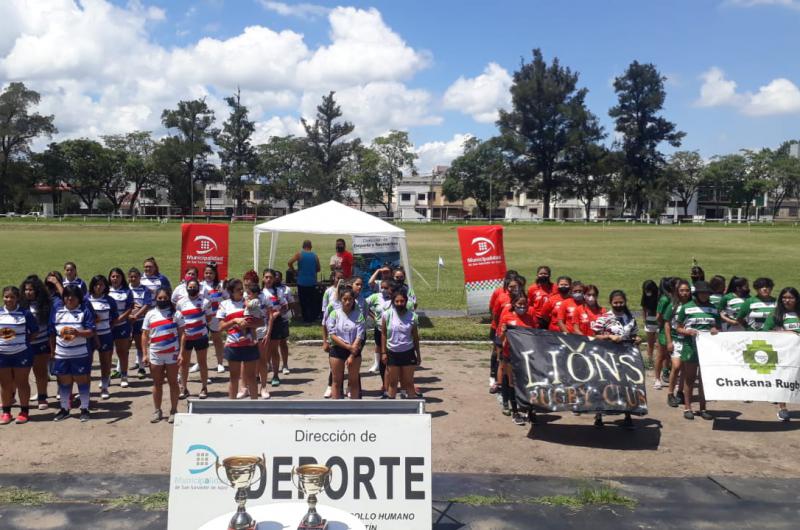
(560, 372)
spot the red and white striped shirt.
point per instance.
(163, 332)
(192, 315)
(230, 310)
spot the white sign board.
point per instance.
(373, 244)
(381, 464)
(741, 365)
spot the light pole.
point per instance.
(490, 198)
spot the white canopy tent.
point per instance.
(332, 218)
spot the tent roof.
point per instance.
(330, 218)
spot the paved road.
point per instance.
(699, 502)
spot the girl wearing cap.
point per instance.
(17, 327)
(738, 291)
(36, 299)
(346, 333)
(523, 316)
(755, 310)
(696, 316)
(162, 350)
(400, 349)
(785, 319)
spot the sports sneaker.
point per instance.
(518, 419)
(6, 418)
(506, 410)
(124, 382)
(104, 393)
(184, 394)
(783, 415)
(84, 415)
(376, 366)
(22, 417)
(220, 368)
(135, 366)
(203, 393)
(658, 385)
(42, 404)
(492, 381)
(384, 395)
(142, 373)
(171, 418)
(286, 370)
(243, 393)
(688, 414)
(276, 381)
(327, 393)
(494, 389)
(679, 395)
(62, 414)
(115, 374)
(195, 368)
(265, 393)
(157, 416)
(672, 401)
(706, 415)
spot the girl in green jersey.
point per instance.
(717, 285)
(675, 341)
(754, 311)
(738, 291)
(664, 299)
(695, 317)
(784, 319)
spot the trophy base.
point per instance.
(251, 526)
(321, 526)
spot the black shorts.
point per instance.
(338, 352)
(196, 344)
(241, 353)
(492, 334)
(402, 358)
(378, 338)
(280, 329)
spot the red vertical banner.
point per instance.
(484, 262)
(204, 243)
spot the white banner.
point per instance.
(380, 464)
(373, 244)
(748, 366)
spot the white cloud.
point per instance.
(433, 154)
(481, 96)
(793, 4)
(277, 126)
(302, 10)
(779, 96)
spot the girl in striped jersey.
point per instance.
(784, 319)
(71, 330)
(17, 327)
(193, 315)
(36, 299)
(142, 303)
(71, 277)
(280, 329)
(214, 292)
(755, 310)
(162, 339)
(121, 327)
(285, 292)
(153, 279)
(738, 291)
(180, 291)
(105, 315)
(240, 350)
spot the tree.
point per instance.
(537, 128)
(50, 169)
(134, 153)
(18, 127)
(189, 148)
(329, 148)
(641, 95)
(87, 166)
(286, 163)
(395, 154)
(481, 173)
(785, 176)
(237, 154)
(685, 173)
(745, 176)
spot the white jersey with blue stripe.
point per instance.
(154, 283)
(15, 328)
(77, 282)
(162, 331)
(123, 298)
(192, 315)
(81, 318)
(105, 312)
(141, 297)
(42, 336)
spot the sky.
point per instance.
(437, 69)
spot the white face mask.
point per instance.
(590, 299)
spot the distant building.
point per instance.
(420, 198)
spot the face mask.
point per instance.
(519, 310)
(162, 304)
(401, 281)
(386, 294)
(339, 248)
(193, 292)
(513, 291)
(400, 308)
(563, 290)
(543, 280)
(578, 297)
(589, 299)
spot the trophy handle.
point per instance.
(295, 481)
(262, 479)
(217, 465)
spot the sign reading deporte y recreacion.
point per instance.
(380, 465)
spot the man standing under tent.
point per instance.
(342, 259)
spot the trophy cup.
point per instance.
(241, 474)
(311, 480)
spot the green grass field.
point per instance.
(615, 256)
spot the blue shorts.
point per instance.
(40, 349)
(241, 353)
(121, 332)
(73, 366)
(106, 342)
(136, 327)
(23, 359)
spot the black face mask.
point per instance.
(163, 304)
(339, 248)
(544, 280)
(563, 290)
(192, 292)
(400, 281)
(400, 308)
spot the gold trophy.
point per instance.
(311, 480)
(241, 474)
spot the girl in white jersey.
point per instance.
(180, 291)
(142, 303)
(105, 316)
(213, 291)
(17, 327)
(285, 292)
(36, 299)
(121, 328)
(400, 349)
(193, 315)
(71, 334)
(152, 277)
(162, 338)
(346, 331)
(280, 329)
(71, 277)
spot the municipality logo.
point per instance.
(761, 357)
(203, 458)
(484, 246)
(207, 244)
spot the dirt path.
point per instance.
(469, 433)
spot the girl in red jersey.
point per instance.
(519, 315)
(516, 285)
(587, 313)
(567, 321)
(494, 362)
(542, 289)
(549, 311)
